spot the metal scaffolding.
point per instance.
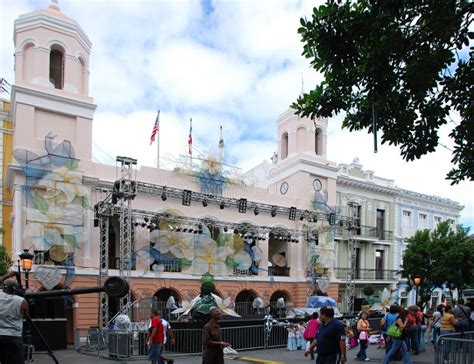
(352, 225)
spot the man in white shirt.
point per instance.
(12, 310)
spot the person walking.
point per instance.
(363, 330)
(13, 309)
(156, 338)
(330, 339)
(212, 340)
(387, 321)
(436, 325)
(311, 330)
(462, 314)
(448, 325)
(399, 342)
(412, 331)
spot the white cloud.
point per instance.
(238, 66)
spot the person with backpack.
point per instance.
(311, 330)
(411, 329)
(436, 323)
(387, 321)
(397, 335)
(462, 314)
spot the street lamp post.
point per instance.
(26, 262)
(417, 281)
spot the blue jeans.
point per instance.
(462, 326)
(154, 353)
(435, 335)
(396, 343)
(362, 351)
(447, 344)
(413, 339)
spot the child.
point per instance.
(301, 342)
(351, 341)
(292, 343)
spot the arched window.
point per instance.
(284, 146)
(318, 142)
(56, 67)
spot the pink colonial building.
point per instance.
(261, 234)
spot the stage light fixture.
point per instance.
(164, 196)
(186, 201)
(222, 205)
(143, 224)
(225, 229)
(204, 203)
(292, 214)
(96, 222)
(273, 211)
(332, 218)
(242, 205)
(146, 219)
(136, 223)
(256, 211)
(301, 218)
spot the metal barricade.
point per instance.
(456, 348)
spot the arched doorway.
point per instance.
(243, 302)
(162, 297)
(114, 305)
(277, 304)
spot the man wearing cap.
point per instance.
(12, 310)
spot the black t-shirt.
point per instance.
(328, 337)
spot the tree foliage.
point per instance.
(401, 58)
(440, 257)
(5, 260)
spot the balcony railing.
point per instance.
(367, 232)
(367, 274)
(279, 271)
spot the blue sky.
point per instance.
(231, 63)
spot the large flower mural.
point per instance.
(55, 200)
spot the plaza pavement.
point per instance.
(277, 355)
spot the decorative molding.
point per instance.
(48, 101)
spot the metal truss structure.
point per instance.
(352, 225)
(118, 201)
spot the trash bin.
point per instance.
(119, 344)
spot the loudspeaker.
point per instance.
(55, 307)
(38, 307)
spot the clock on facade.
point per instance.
(284, 188)
(317, 185)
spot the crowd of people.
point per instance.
(404, 332)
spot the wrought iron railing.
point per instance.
(367, 274)
(370, 232)
(279, 271)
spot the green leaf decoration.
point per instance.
(40, 203)
(185, 263)
(70, 240)
(223, 239)
(230, 262)
(72, 164)
(82, 201)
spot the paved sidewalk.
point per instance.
(280, 355)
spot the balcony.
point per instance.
(367, 232)
(367, 274)
(279, 271)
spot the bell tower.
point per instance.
(51, 92)
(301, 136)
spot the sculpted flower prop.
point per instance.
(186, 306)
(224, 305)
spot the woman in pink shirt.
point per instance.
(311, 330)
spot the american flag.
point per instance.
(190, 139)
(155, 128)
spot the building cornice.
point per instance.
(49, 101)
(346, 181)
(429, 198)
(42, 18)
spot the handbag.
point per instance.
(394, 331)
(362, 335)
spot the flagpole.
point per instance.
(190, 146)
(158, 143)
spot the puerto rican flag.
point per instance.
(190, 138)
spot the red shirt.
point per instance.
(158, 338)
